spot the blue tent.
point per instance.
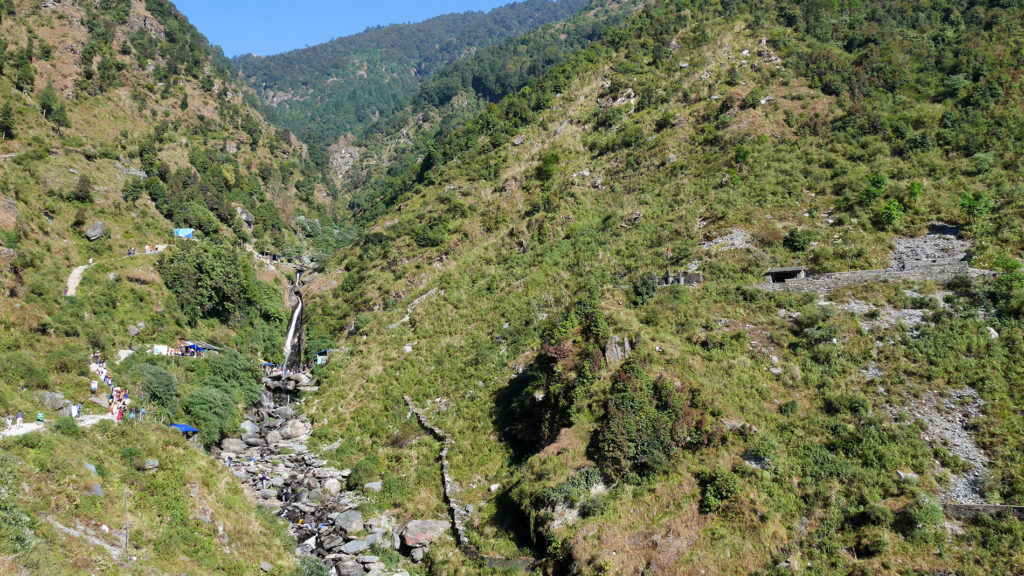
(187, 233)
(184, 428)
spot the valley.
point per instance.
(605, 287)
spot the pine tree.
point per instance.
(48, 99)
(7, 120)
(60, 117)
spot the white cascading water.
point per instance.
(290, 339)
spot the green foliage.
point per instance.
(210, 279)
(562, 375)
(382, 58)
(644, 288)
(890, 214)
(976, 205)
(797, 240)
(311, 567)
(83, 190)
(717, 487)
(924, 515)
(212, 411)
(159, 386)
(573, 490)
(67, 426)
(365, 471)
(644, 426)
(16, 527)
(242, 377)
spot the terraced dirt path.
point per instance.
(76, 275)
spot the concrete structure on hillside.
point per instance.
(680, 279)
(782, 275)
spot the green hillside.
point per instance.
(120, 113)
(751, 431)
(544, 287)
(341, 86)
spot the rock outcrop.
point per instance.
(94, 232)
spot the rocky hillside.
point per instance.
(119, 124)
(341, 86)
(604, 415)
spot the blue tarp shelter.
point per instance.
(184, 428)
(187, 233)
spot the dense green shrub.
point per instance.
(645, 424)
(644, 288)
(573, 489)
(68, 427)
(210, 279)
(365, 471)
(159, 386)
(717, 487)
(240, 374)
(213, 412)
(797, 240)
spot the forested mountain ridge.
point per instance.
(752, 430)
(341, 86)
(375, 170)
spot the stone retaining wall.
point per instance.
(976, 510)
(825, 283)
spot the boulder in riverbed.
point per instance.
(349, 568)
(332, 486)
(293, 429)
(233, 445)
(351, 521)
(422, 532)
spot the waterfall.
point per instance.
(289, 342)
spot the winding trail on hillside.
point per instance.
(76, 275)
(75, 279)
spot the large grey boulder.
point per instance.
(349, 568)
(94, 232)
(150, 464)
(293, 429)
(355, 547)
(233, 445)
(53, 400)
(351, 521)
(285, 412)
(422, 532)
(248, 427)
(8, 213)
(274, 437)
(332, 487)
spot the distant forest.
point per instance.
(344, 85)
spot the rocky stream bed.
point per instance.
(272, 460)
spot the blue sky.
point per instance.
(274, 26)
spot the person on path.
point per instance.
(9, 423)
(21, 418)
(142, 414)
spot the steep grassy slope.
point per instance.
(533, 235)
(342, 86)
(119, 112)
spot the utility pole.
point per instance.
(127, 525)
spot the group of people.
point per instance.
(274, 369)
(117, 401)
(11, 422)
